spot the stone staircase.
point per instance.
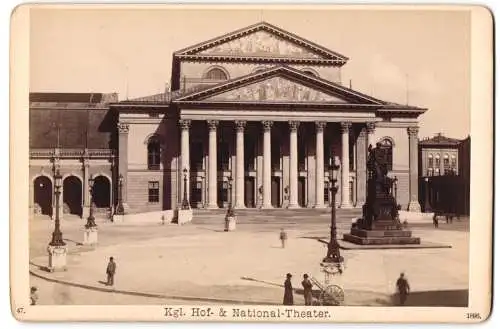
(269, 215)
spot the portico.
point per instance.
(285, 163)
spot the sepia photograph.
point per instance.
(252, 163)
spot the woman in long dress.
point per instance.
(288, 297)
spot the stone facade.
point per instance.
(264, 121)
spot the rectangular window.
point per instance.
(154, 192)
(326, 193)
(446, 163)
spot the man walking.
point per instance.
(403, 288)
(110, 271)
(288, 297)
(307, 285)
(283, 238)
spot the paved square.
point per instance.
(201, 263)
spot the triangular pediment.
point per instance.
(276, 89)
(265, 41)
(281, 84)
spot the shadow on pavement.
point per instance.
(443, 298)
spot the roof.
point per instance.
(92, 98)
(80, 124)
(347, 97)
(324, 54)
(440, 140)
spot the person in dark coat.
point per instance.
(308, 294)
(283, 238)
(403, 288)
(110, 271)
(288, 297)
(435, 221)
(33, 296)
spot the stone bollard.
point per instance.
(57, 258)
(90, 236)
(230, 224)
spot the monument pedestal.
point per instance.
(90, 236)
(57, 258)
(381, 237)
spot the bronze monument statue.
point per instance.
(380, 222)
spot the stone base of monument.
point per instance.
(382, 233)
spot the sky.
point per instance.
(417, 57)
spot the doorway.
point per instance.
(101, 192)
(72, 195)
(275, 192)
(250, 192)
(301, 191)
(42, 189)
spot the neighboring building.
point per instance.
(266, 108)
(76, 132)
(439, 156)
(444, 170)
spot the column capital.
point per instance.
(240, 125)
(320, 125)
(362, 133)
(185, 124)
(267, 125)
(344, 126)
(212, 124)
(412, 131)
(123, 127)
(294, 125)
(370, 127)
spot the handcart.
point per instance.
(330, 294)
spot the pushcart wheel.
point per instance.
(332, 295)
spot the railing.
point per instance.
(71, 153)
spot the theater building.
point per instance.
(260, 107)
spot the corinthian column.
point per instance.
(345, 200)
(266, 170)
(320, 166)
(212, 164)
(185, 125)
(240, 164)
(413, 205)
(292, 203)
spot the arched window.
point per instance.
(216, 74)
(154, 154)
(454, 164)
(430, 161)
(310, 72)
(437, 163)
(386, 144)
(446, 162)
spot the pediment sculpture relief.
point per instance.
(276, 89)
(260, 43)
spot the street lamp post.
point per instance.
(185, 202)
(119, 207)
(230, 222)
(427, 206)
(57, 238)
(91, 218)
(333, 256)
(90, 234)
(57, 247)
(396, 189)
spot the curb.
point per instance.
(151, 295)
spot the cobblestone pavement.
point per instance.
(248, 264)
